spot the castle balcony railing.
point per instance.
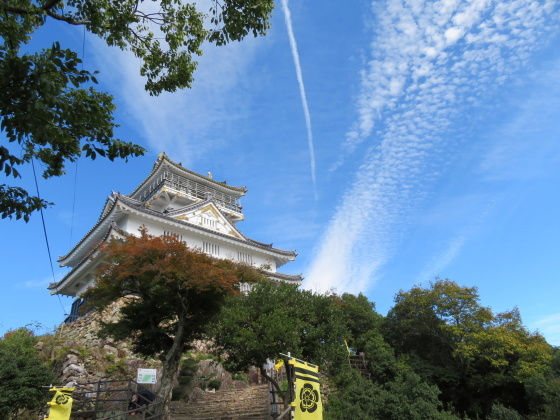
(192, 189)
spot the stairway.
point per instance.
(250, 403)
(359, 363)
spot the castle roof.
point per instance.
(112, 230)
(163, 162)
(119, 203)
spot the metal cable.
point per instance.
(45, 232)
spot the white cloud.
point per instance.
(447, 64)
(184, 123)
(452, 35)
(38, 284)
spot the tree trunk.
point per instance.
(285, 395)
(170, 367)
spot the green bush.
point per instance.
(22, 373)
(187, 371)
(214, 384)
(119, 367)
(240, 377)
(405, 398)
(177, 393)
(500, 412)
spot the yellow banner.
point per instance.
(307, 404)
(278, 365)
(61, 404)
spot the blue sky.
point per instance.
(388, 142)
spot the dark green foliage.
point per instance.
(22, 374)
(275, 319)
(49, 110)
(500, 412)
(543, 392)
(476, 358)
(214, 384)
(51, 114)
(177, 393)
(407, 397)
(439, 354)
(361, 320)
(187, 371)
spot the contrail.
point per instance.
(293, 45)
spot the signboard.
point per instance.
(146, 376)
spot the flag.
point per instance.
(61, 404)
(278, 364)
(307, 403)
(347, 348)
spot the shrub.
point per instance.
(214, 384)
(22, 373)
(177, 393)
(240, 377)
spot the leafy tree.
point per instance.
(543, 391)
(173, 293)
(274, 319)
(406, 397)
(391, 389)
(364, 327)
(22, 374)
(500, 412)
(477, 359)
(49, 109)
(361, 319)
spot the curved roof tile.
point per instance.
(163, 158)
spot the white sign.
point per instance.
(146, 376)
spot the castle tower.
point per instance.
(172, 200)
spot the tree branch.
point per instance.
(50, 4)
(40, 12)
(68, 19)
(19, 10)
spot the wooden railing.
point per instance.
(105, 400)
(192, 189)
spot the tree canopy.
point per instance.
(172, 292)
(477, 358)
(438, 354)
(279, 318)
(50, 110)
(22, 374)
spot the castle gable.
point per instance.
(208, 216)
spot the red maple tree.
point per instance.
(175, 291)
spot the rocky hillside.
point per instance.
(80, 355)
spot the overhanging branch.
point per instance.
(38, 11)
(50, 4)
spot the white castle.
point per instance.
(172, 200)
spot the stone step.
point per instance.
(251, 404)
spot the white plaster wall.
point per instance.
(195, 240)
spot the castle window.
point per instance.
(211, 248)
(244, 257)
(209, 222)
(175, 235)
